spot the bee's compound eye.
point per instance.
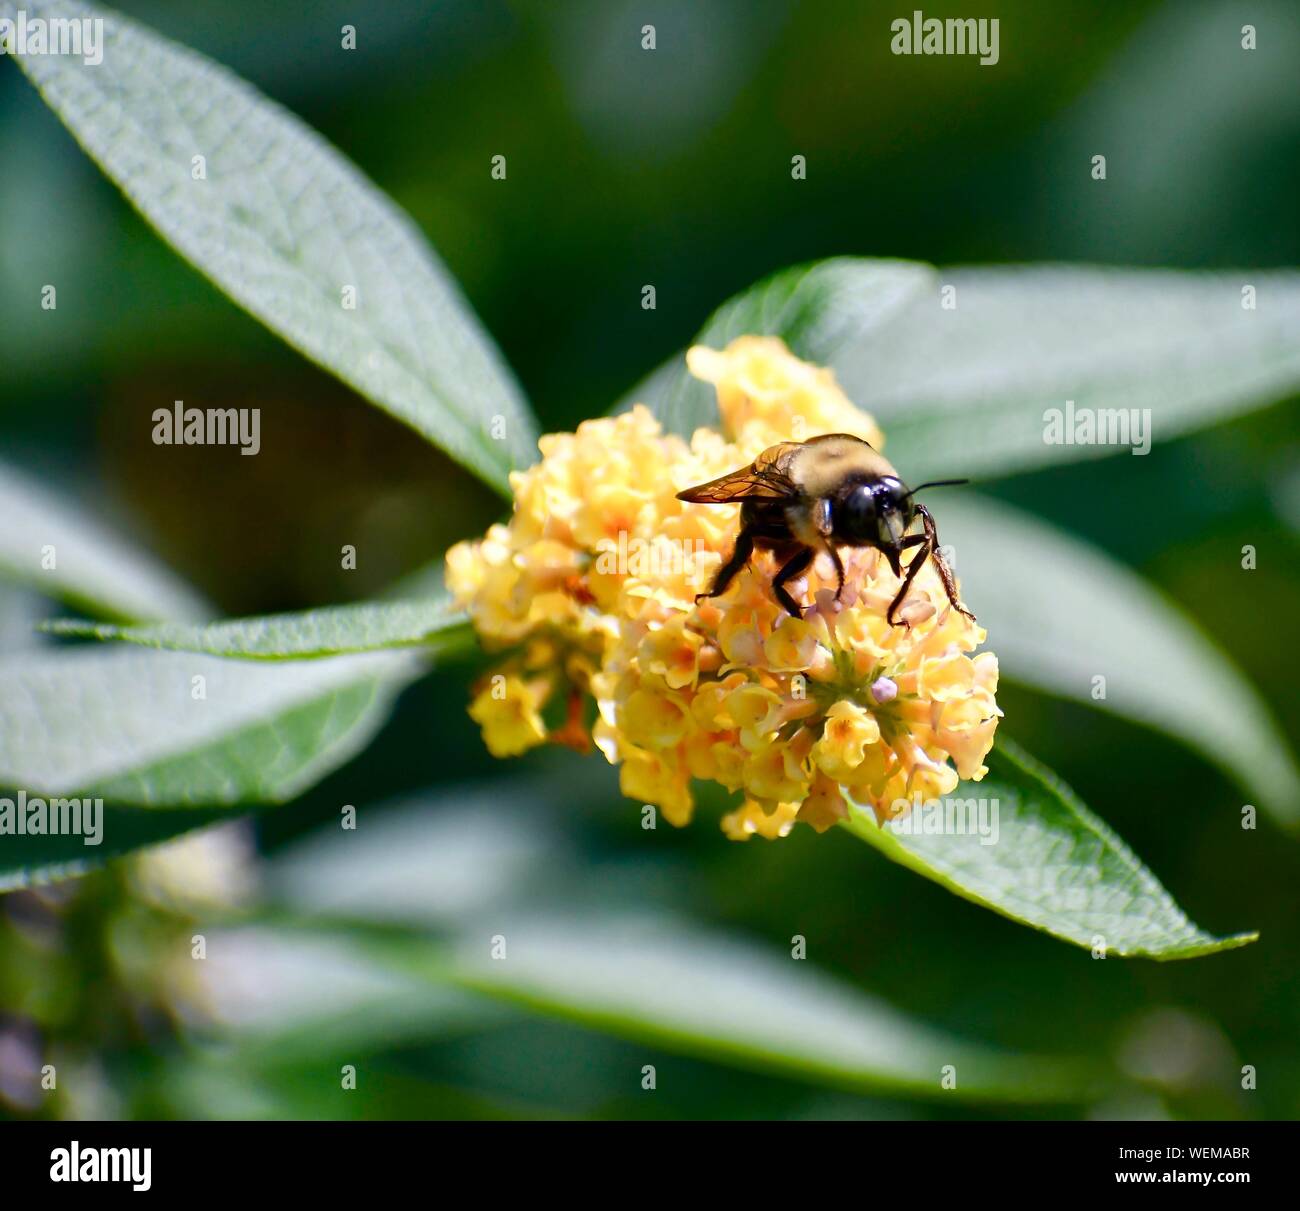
(856, 519)
(892, 493)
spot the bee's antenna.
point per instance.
(939, 483)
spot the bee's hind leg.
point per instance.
(727, 573)
(793, 566)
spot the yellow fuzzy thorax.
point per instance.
(589, 594)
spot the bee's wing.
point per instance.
(765, 477)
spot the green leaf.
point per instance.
(283, 224)
(432, 625)
(1060, 612)
(818, 309)
(125, 725)
(92, 568)
(964, 391)
(1033, 852)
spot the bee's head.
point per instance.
(874, 513)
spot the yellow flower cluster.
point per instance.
(590, 593)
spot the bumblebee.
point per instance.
(798, 498)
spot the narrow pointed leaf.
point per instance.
(290, 230)
(1033, 852)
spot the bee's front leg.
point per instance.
(945, 572)
(839, 568)
(912, 540)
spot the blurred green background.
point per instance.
(672, 168)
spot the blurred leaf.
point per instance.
(662, 980)
(283, 224)
(1060, 612)
(442, 858)
(93, 568)
(963, 391)
(818, 309)
(124, 725)
(257, 1084)
(1045, 860)
(431, 625)
(427, 888)
(290, 997)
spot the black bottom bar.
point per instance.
(337, 1159)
